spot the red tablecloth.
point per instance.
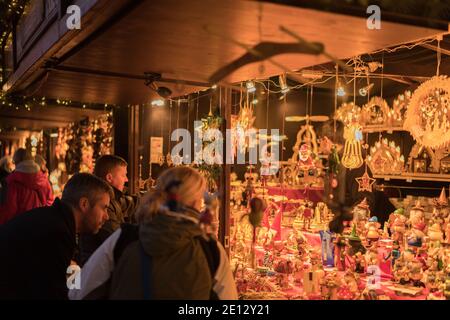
(314, 194)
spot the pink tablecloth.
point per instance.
(314, 194)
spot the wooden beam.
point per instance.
(224, 184)
(125, 75)
(133, 148)
(31, 124)
(434, 48)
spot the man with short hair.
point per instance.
(112, 169)
(37, 247)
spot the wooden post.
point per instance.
(133, 148)
(224, 183)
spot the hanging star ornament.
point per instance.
(365, 182)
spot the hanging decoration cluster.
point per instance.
(240, 124)
(376, 113)
(81, 143)
(209, 167)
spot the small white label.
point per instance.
(374, 20)
(74, 19)
(74, 279)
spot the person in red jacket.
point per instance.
(26, 188)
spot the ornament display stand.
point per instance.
(410, 177)
(382, 128)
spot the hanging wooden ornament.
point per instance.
(169, 156)
(385, 158)
(365, 182)
(161, 160)
(397, 114)
(169, 160)
(348, 113)
(352, 157)
(375, 112)
(240, 126)
(306, 135)
(177, 160)
(428, 116)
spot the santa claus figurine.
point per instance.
(305, 161)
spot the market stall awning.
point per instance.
(190, 40)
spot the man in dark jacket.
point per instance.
(36, 248)
(112, 169)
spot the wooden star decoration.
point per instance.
(365, 182)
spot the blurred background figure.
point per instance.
(27, 187)
(42, 163)
(6, 167)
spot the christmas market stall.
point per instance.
(329, 164)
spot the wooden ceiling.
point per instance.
(188, 40)
(43, 117)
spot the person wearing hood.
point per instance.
(112, 169)
(27, 187)
(167, 256)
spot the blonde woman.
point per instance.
(167, 256)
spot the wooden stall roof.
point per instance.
(189, 40)
(43, 117)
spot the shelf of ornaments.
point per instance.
(422, 164)
(410, 177)
(382, 128)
